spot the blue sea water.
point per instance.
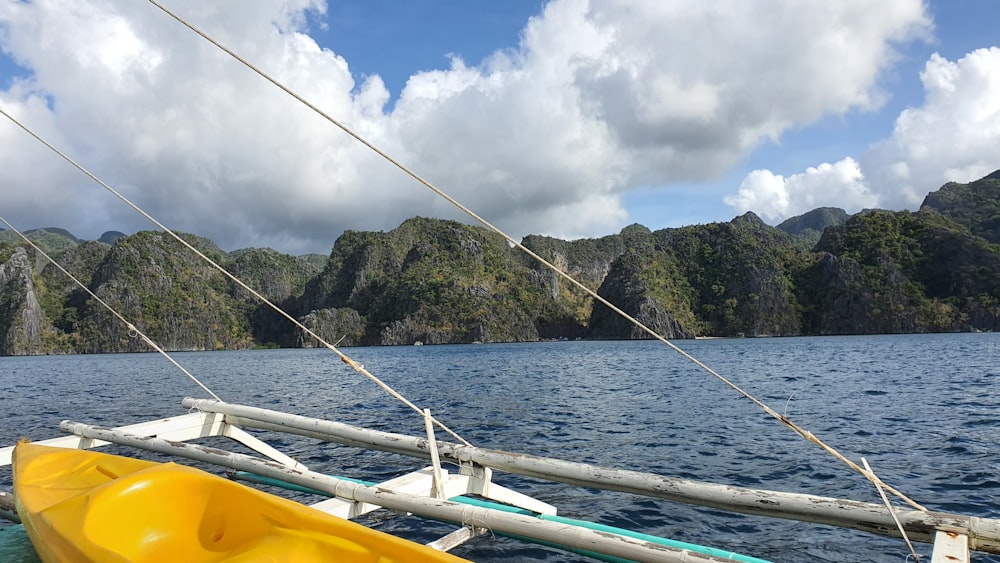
(922, 409)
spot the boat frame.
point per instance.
(436, 493)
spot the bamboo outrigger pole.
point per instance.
(983, 533)
(8, 511)
(429, 507)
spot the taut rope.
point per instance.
(767, 409)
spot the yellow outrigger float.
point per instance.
(81, 505)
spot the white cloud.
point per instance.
(774, 197)
(953, 137)
(599, 98)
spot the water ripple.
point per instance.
(922, 410)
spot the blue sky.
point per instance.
(568, 118)
(395, 39)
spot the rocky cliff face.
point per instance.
(975, 205)
(274, 275)
(902, 272)
(853, 306)
(627, 288)
(438, 281)
(739, 274)
(64, 301)
(589, 261)
(426, 281)
(340, 327)
(167, 293)
(155, 283)
(21, 318)
(809, 226)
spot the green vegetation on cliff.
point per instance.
(738, 277)
(810, 226)
(975, 205)
(437, 281)
(906, 272)
(152, 280)
(427, 280)
(568, 312)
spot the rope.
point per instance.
(593, 294)
(347, 360)
(892, 513)
(132, 329)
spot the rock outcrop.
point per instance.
(629, 290)
(428, 281)
(810, 226)
(975, 205)
(435, 282)
(21, 317)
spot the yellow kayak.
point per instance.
(80, 505)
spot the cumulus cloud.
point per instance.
(599, 98)
(953, 137)
(774, 197)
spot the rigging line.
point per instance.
(358, 367)
(784, 420)
(131, 327)
(892, 512)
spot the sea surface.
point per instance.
(924, 410)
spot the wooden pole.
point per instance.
(465, 515)
(983, 533)
(435, 460)
(8, 510)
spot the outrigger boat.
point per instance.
(73, 502)
(468, 498)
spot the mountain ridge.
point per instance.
(437, 281)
